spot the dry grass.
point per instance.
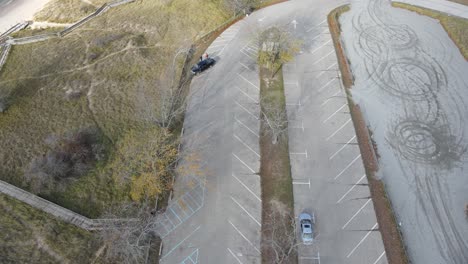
(117, 62)
(67, 11)
(463, 2)
(42, 239)
(456, 27)
(275, 173)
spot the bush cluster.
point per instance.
(69, 157)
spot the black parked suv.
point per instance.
(203, 65)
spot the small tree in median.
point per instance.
(276, 118)
(279, 234)
(277, 47)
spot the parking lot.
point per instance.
(222, 128)
(329, 180)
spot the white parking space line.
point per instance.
(312, 28)
(293, 104)
(251, 131)
(358, 211)
(243, 163)
(248, 81)
(327, 69)
(221, 39)
(289, 83)
(253, 218)
(232, 253)
(349, 165)
(344, 146)
(248, 96)
(298, 127)
(332, 115)
(178, 244)
(323, 57)
(320, 47)
(297, 182)
(350, 189)
(362, 240)
(338, 130)
(247, 146)
(245, 186)
(327, 84)
(216, 46)
(246, 110)
(331, 97)
(300, 153)
(175, 214)
(240, 233)
(210, 108)
(321, 34)
(248, 54)
(245, 66)
(381, 255)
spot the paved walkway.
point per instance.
(440, 5)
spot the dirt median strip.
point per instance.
(392, 239)
(278, 230)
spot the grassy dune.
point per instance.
(42, 239)
(67, 11)
(116, 66)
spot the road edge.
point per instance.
(391, 235)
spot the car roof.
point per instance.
(307, 228)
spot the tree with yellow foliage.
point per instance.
(277, 47)
(146, 160)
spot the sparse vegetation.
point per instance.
(275, 168)
(456, 27)
(67, 11)
(68, 158)
(28, 235)
(109, 74)
(276, 179)
(129, 243)
(148, 164)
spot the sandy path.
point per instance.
(412, 84)
(19, 11)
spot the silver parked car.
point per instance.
(307, 222)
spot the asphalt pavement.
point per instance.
(410, 83)
(221, 223)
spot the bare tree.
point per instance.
(276, 118)
(165, 105)
(279, 244)
(128, 240)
